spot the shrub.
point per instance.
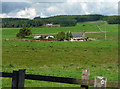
(24, 32)
(110, 67)
(11, 65)
(42, 37)
(86, 38)
(68, 35)
(93, 65)
(20, 35)
(60, 36)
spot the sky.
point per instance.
(47, 8)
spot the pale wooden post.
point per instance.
(85, 76)
(100, 82)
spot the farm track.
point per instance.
(98, 32)
(45, 34)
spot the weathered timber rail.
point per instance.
(19, 76)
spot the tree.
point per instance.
(60, 36)
(24, 32)
(41, 37)
(69, 35)
(113, 20)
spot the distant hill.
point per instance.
(62, 20)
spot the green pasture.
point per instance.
(92, 23)
(58, 58)
(10, 33)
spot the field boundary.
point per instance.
(18, 78)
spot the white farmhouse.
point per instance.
(49, 24)
(37, 37)
(49, 37)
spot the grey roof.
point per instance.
(77, 34)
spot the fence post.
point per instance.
(85, 76)
(18, 79)
(15, 80)
(100, 82)
(21, 79)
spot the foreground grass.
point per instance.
(72, 71)
(59, 59)
(60, 52)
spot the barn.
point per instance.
(49, 24)
(37, 37)
(78, 36)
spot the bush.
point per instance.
(42, 37)
(20, 35)
(93, 65)
(24, 32)
(69, 35)
(86, 38)
(60, 36)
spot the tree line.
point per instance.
(13, 23)
(62, 20)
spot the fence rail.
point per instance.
(83, 82)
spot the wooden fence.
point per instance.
(18, 78)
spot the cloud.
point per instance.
(85, 8)
(92, 0)
(52, 9)
(60, 0)
(67, 7)
(8, 7)
(105, 8)
(4, 15)
(14, 0)
(79, 8)
(42, 15)
(27, 13)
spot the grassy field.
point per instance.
(92, 23)
(64, 59)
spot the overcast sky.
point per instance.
(46, 8)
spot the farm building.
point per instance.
(78, 36)
(49, 24)
(49, 37)
(37, 37)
